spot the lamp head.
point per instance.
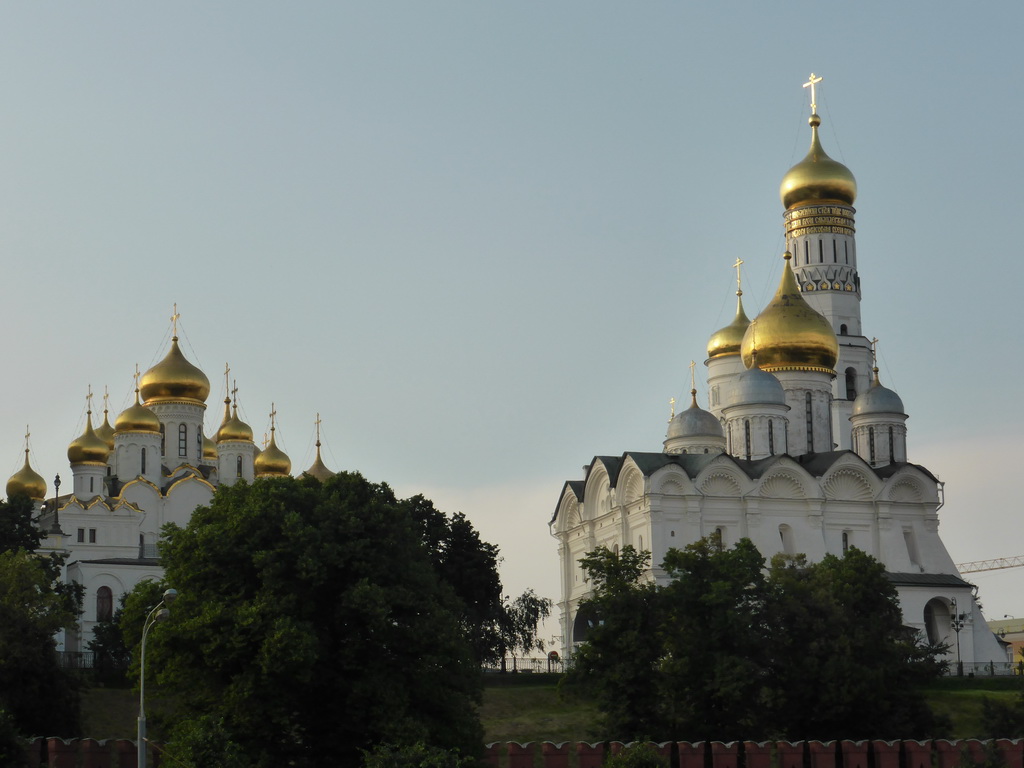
(170, 595)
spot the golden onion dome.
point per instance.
(789, 335)
(174, 379)
(817, 178)
(272, 461)
(727, 341)
(88, 447)
(209, 449)
(105, 432)
(26, 482)
(233, 428)
(319, 470)
(137, 418)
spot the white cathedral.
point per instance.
(802, 449)
(154, 466)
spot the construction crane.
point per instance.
(991, 565)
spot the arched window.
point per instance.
(163, 440)
(771, 438)
(842, 329)
(835, 251)
(238, 467)
(104, 604)
(809, 418)
(142, 469)
(718, 538)
(846, 541)
(746, 437)
(182, 440)
(786, 534)
(821, 252)
(199, 445)
(851, 382)
(892, 447)
(871, 446)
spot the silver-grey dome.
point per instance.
(757, 387)
(694, 422)
(878, 399)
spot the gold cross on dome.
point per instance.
(234, 392)
(273, 415)
(874, 352)
(174, 319)
(672, 408)
(736, 266)
(88, 399)
(136, 376)
(318, 428)
(693, 380)
(27, 435)
(106, 398)
(813, 81)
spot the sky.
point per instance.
(484, 240)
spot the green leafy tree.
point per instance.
(726, 650)
(311, 624)
(470, 567)
(843, 665)
(619, 664)
(519, 625)
(39, 697)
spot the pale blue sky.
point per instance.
(484, 241)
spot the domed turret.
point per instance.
(817, 178)
(319, 470)
(877, 399)
(728, 340)
(757, 387)
(175, 379)
(88, 448)
(26, 482)
(232, 427)
(104, 431)
(137, 418)
(789, 335)
(210, 453)
(272, 461)
(694, 431)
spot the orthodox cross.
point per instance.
(234, 392)
(88, 400)
(106, 399)
(693, 380)
(736, 266)
(813, 81)
(136, 377)
(227, 382)
(174, 319)
(672, 408)
(27, 435)
(318, 429)
(874, 353)
(273, 415)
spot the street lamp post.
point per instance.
(159, 613)
(957, 621)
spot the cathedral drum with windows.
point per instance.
(802, 450)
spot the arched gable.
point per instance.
(569, 512)
(849, 483)
(910, 484)
(671, 480)
(597, 496)
(631, 483)
(786, 483)
(721, 479)
(140, 493)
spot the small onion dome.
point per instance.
(209, 449)
(817, 178)
(174, 379)
(757, 387)
(106, 432)
(694, 422)
(319, 470)
(233, 428)
(789, 335)
(26, 482)
(272, 461)
(88, 448)
(878, 399)
(137, 418)
(727, 341)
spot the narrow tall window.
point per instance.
(746, 437)
(842, 329)
(807, 253)
(238, 467)
(142, 468)
(846, 541)
(809, 417)
(821, 252)
(91, 479)
(771, 437)
(104, 604)
(182, 440)
(835, 251)
(871, 446)
(718, 538)
(846, 250)
(199, 445)
(163, 440)
(851, 383)
(892, 447)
